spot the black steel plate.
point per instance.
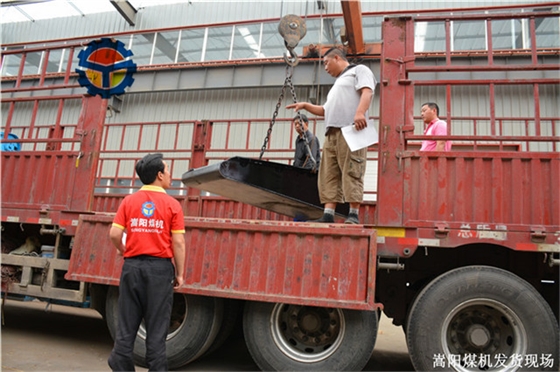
(276, 187)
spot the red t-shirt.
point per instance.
(149, 217)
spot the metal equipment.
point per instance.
(276, 187)
(272, 186)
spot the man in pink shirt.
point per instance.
(435, 127)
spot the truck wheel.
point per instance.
(231, 313)
(195, 321)
(296, 338)
(98, 297)
(481, 318)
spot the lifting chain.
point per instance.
(293, 29)
(287, 83)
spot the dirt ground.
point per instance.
(37, 337)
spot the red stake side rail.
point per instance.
(468, 196)
(289, 262)
(461, 242)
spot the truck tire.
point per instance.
(229, 321)
(98, 297)
(481, 318)
(304, 338)
(195, 321)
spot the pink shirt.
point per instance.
(436, 128)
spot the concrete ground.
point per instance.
(59, 338)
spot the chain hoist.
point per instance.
(293, 29)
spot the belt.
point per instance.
(146, 257)
(332, 130)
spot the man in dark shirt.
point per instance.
(302, 158)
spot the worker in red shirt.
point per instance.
(148, 231)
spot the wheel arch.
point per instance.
(397, 290)
(450, 311)
(98, 298)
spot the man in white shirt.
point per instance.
(341, 172)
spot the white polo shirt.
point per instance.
(344, 96)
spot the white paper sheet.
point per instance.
(358, 139)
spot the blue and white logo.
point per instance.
(148, 209)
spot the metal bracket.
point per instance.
(538, 234)
(53, 231)
(389, 265)
(400, 155)
(402, 73)
(26, 276)
(552, 261)
(441, 230)
(401, 61)
(402, 129)
(405, 128)
(45, 274)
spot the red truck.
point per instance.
(461, 248)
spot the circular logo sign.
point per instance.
(105, 68)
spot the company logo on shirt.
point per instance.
(148, 209)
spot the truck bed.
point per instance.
(274, 261)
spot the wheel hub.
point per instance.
(310, 322)
(478, 336)
(307, 334)
(312, 327)
(483, 327)
(473, 330)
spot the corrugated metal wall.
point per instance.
(47, 112)
(260, 102)
(215, 104)
(512, 101)
(196, 12)
(221, 105)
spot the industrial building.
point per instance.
(222, 61)
(460, 248)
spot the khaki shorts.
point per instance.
(341, 171)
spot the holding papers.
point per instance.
(358, 139)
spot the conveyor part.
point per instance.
(275, 187)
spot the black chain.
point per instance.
(289, 71)
(288, 83)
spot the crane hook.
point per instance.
(292, 28)
(293, 59)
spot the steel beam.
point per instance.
(352, 13)
(127, 11)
